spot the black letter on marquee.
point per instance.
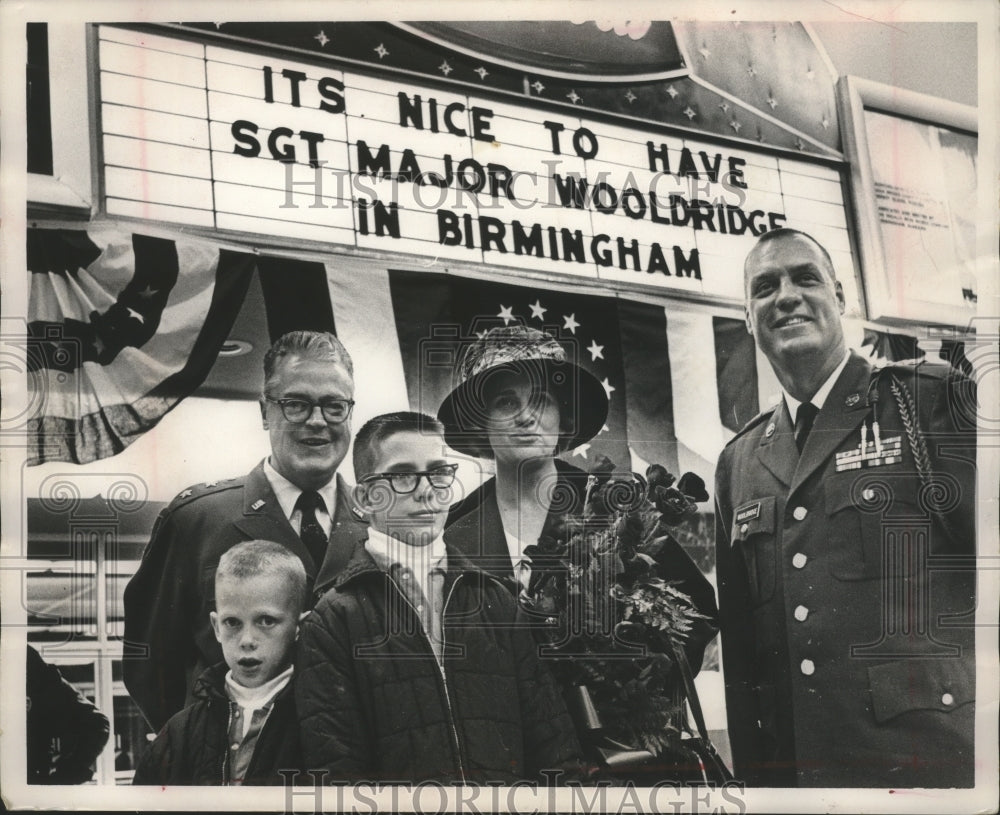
(686, 265)
(373, 165)
(332, 92)
(411, 112)
(251, 146)
(555, 129)
(294, 78)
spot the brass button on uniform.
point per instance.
(801, 612)
(807, 667)
(799, 560)
(947, 700)
(799, 513)
(744, 529)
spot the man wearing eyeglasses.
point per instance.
(293, 497)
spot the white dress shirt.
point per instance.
(288, 495)
(819, 397)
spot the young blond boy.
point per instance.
(413, 666)
(242, 728)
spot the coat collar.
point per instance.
(263, 519)
(211, 684)
(362, 563)
(842, 413)
(347, 528)
(480, 534)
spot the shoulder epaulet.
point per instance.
(923, 366)
(756, 420)
(196, 491)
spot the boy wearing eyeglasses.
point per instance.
(414, 666)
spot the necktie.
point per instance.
(803, 423)
(310, 531)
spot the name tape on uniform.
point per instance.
(749, 513)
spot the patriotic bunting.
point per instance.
(121, 328)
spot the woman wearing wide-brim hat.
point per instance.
(520, 400)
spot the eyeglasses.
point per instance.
(440, 478)
(297, 411)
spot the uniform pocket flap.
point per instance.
(839, 493)
(753, 517)
(920, 684)
(877, 492)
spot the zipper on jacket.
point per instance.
(225, 750)
(444, 678)
(440, 666)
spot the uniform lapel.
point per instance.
(345, 532)
(842, 414)
(263, 519)
(777, 451)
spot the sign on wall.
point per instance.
(913, 161)
(229, 139)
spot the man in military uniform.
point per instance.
(845, 536)
(293, 497)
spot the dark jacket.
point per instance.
(375, 704)
(192, 748)
(57, 710)
(847, 595)
(168, 635)
(476, 530)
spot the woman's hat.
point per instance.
(528, 352)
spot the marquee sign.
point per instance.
(229, 139)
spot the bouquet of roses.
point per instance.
(612, 617)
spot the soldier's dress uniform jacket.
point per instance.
(169, 640)
(847, 586)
